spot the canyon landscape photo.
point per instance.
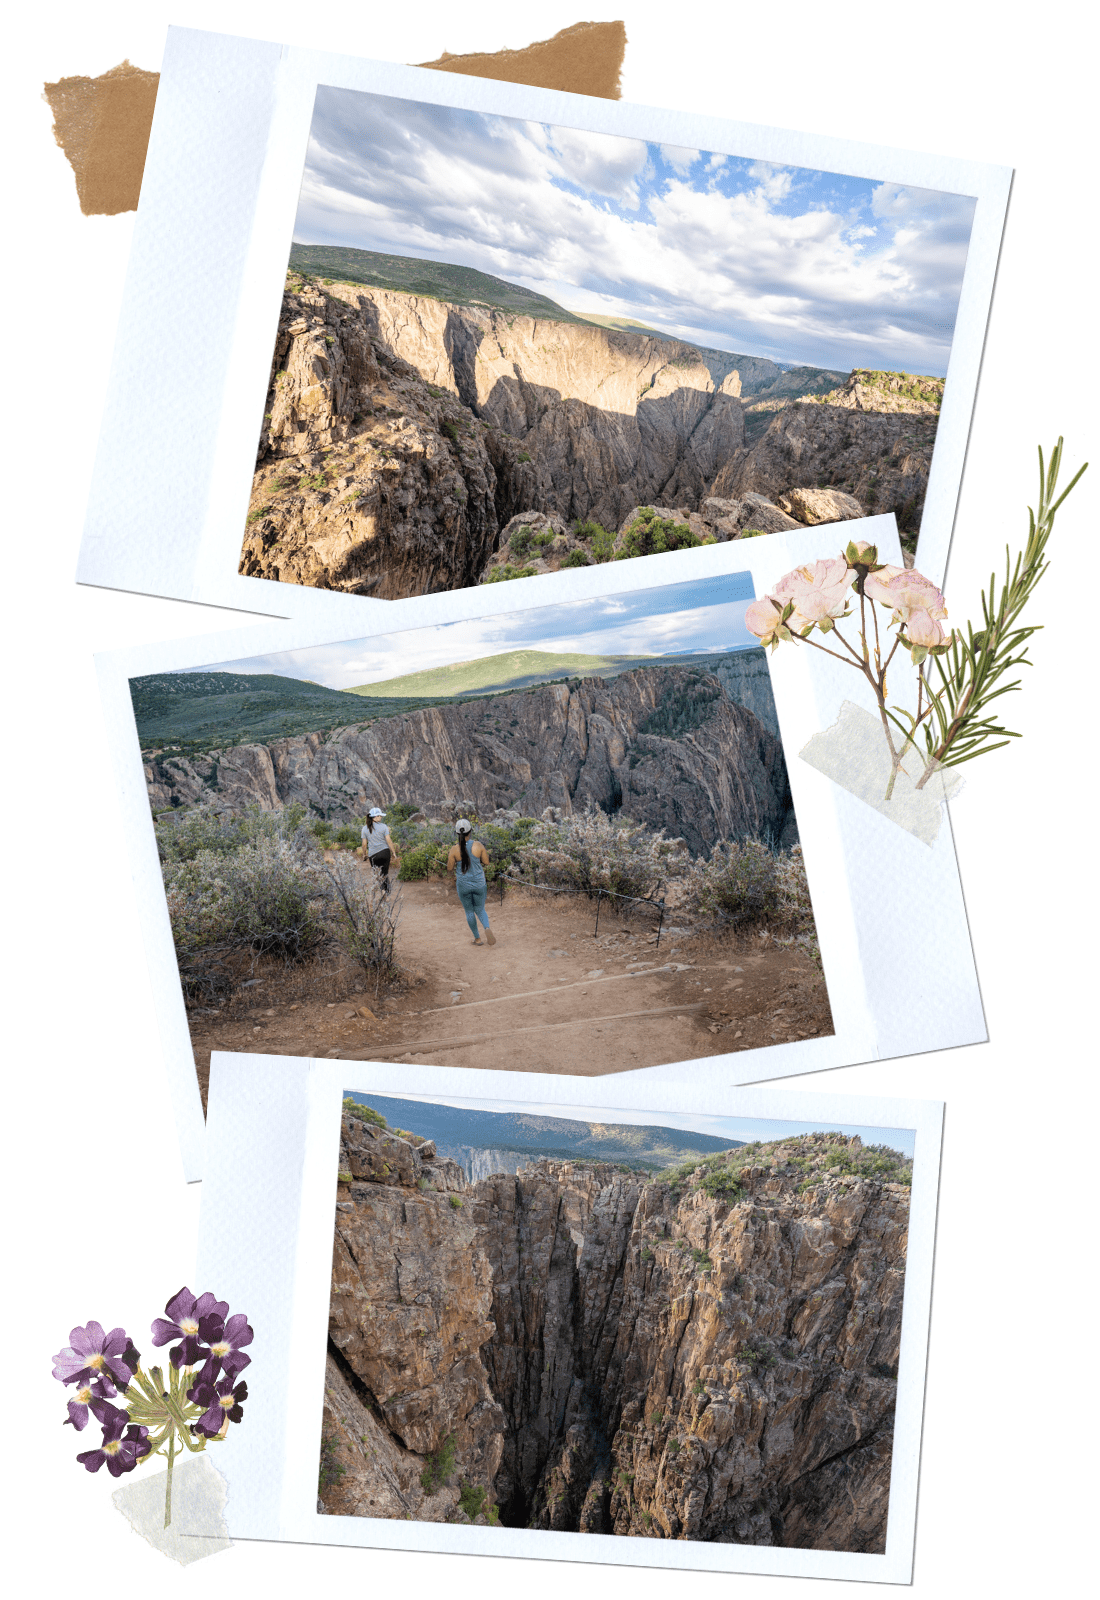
(620, 764)
(507, 349)
(605, 1327)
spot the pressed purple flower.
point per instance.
(187, 1312)
(91, 1397)
(225, 1338)
(122, 1447)
(92, 1354)
(222, 1403)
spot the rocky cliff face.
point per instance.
(872, 439)
(401, 432)
(587, 1350)
(559, 745)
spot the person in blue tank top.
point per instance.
(469, 860)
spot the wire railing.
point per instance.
(601, 894)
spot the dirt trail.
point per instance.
(547, 997)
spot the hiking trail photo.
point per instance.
(645, 899)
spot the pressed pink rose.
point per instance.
(905, 591)
(816, 592)
(762, 618)
(923, 628)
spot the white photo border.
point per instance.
(265, 1244)
(892, 991)
(207, 271)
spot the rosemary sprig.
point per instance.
(958, 725)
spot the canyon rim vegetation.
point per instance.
(707, 1351)
(414, 443)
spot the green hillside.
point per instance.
(516, 669)
(193, 711)
(463, 286)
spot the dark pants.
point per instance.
(381, 865)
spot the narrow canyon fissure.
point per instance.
(580, 1348)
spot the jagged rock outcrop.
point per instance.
(586, 1350)
(880, 458)
(717, 774)
(401, 432)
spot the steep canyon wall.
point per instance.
(601, 1353)
(563, 745)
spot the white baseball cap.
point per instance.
(463, 826)
(375, 812)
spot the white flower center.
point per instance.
(112, 1448)
(227, 1402)
(188, 1325)
(84, 1395)
(95, 1361)
(222, 1348)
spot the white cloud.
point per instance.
(680, 161)
(838, 283)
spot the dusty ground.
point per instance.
(549, 996)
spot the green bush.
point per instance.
(439, 1466)
(423, 860)
(506, 573)
(456, 1202)
(650, 535)
(471, 1497)
(519, 541)
(576, 558)
(448, 428)
(598, 539)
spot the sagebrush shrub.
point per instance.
(745, 884)
(591, 851)
(362, 915)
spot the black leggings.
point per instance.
(381, 865)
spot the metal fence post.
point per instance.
(599, 902)
(660, 925)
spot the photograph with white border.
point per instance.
(734, 1345)
(388, 457)
(666, 976)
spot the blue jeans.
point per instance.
(473, 903)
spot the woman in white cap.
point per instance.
(469, 861)
(378, 847)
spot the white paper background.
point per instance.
(264, 1250)
(863, 870)
(98, 1220)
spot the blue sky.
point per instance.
(706, 614)
(744, 1128)
(789, 263)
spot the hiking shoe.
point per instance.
(490, 936)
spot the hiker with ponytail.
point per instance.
(469, 859)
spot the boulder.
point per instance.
(813, 506)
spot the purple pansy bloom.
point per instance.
(90, 1397)
(94, 1354)
(225, 1339)
(222, 1402)
(122, 1447)
(187, 1311)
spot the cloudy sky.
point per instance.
(784, 262)
(706, 614)
(744, 1128)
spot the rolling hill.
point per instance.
(463, 286)
(515, 669)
